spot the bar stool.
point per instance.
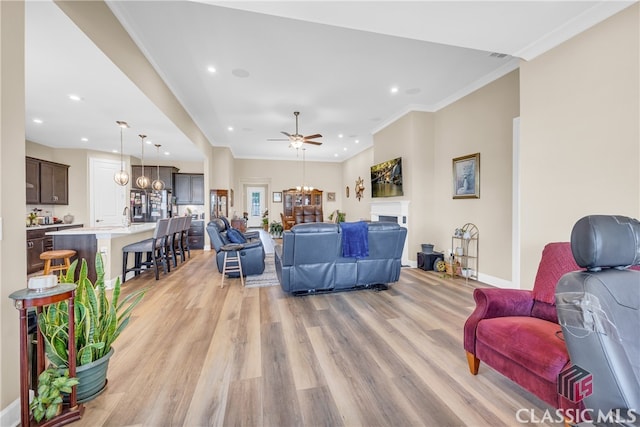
(232, 262)
(63, 254)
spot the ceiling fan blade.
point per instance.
(312, 142)
(283, 132)
(317, 135)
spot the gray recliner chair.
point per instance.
(599, 311)
(251, 256)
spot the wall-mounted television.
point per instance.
(386, 178)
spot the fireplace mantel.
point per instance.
(400, 211)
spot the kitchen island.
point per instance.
(109, 241)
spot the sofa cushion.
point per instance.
(528, 341)
(235, 236)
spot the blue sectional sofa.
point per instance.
(310, 258)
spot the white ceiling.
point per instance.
(335, 62)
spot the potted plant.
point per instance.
(47, 403)
(275, 229)
(340, 216)
(99, 320)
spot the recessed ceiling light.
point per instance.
(148, 141)
(211, 69)
(345, 148)
(166, 153)
(84, 139)
(239, 72)
(114, 151)
(394, 90)
(335, 155)
(340, 135)
(75, 97)
(357, 141)
(38, 121)
(230, 128)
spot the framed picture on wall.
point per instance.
(277, 196)
(466, 177)
(331, 197)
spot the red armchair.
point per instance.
(516, 332)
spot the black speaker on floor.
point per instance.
(426, 261)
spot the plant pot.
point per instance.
(92, 378)
(427, 248)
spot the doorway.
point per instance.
(256, 205)
(107, 199)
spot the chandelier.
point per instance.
(142, 181)
(122, 176)
(304, 187)
(158, 184)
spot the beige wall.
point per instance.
(357, 166)
(411, 137)
(579, 134)
(427, 142)
(278, 175)
(13, 262)
(482, 123)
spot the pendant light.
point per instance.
(122, 176)
(158, 184)
(142, 181)
(304, 188)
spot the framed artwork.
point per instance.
(466, 177)
(277, 196)
(331, 197)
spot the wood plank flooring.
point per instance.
(198, 355)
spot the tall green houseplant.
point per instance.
(99, 320)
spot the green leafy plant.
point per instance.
(98, 319)
(276, 228)
(340, 216)
(51, 384)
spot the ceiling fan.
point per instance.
(296, 139)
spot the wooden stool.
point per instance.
(64, 254)
(228, 259)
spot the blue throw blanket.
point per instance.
(355, 239)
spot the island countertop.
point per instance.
(105, 240)
(106, 232)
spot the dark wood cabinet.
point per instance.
(33, 180)
(47, 182)
(188, 188)
(196, 235)
(166, 175)
(219, 203)
(38, 242)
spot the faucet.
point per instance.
(126, 221)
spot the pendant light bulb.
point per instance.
(122, 176)
(142, 181)
(158, 184)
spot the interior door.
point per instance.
(256, 205)
(107, 199)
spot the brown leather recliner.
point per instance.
(309, 213)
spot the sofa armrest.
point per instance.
(492, 303)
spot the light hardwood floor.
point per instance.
(198, 355)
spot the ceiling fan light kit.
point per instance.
(296, 140)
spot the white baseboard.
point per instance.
(10, 416)
(495, 281)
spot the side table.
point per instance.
(29, 298)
